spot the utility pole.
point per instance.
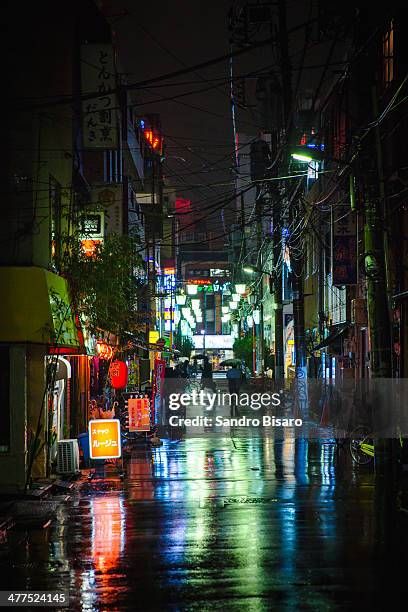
(277, 208)
(377, 273)
(277, 288)
(377, 303)
(299, 317)
(260, 337)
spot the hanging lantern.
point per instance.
(118, 374)
(181, 299)
(104, 350)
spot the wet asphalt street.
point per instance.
(208, 524)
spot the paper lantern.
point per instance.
(118, 374)
(104, 350)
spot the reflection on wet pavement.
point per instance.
(199, 524)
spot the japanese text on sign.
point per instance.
(104, 439)
(99, 114)
(139, 414)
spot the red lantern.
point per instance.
(104, 350)
(118, 373)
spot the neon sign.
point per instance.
(153, 139)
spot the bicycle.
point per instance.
(361, 445)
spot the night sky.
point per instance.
(157, 37)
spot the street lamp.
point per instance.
(203, 335)
(254, 270)
(192, 289)
(181, 299)
(240, 288)
(302, 158)
(308, 153)
(196, 304)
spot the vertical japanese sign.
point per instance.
(344, 246)
(139, 414)
(99, 114)
(158, 385)
(134, 374)
(104, 439)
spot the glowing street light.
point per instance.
(249, 269)
(192, 289)
(196, 304)
(302, 158)
(181, 299)
(254, 270)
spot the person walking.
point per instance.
(185, 368)
(194, 368)
(207, 376)
(234, 378)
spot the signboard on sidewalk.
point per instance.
(139, 414)
(104, 439)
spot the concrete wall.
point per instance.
(27, 382)
(35, 394)
(13, 463)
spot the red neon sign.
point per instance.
(198, 281)
(183, 205)
(153, 139)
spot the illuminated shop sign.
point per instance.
(154, 140)
(220, 272)
(207, 285)
(169, 282)
(199, 281)
(218, 341)
(92, 232)
(104, 439)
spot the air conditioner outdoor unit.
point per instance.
(68, 457)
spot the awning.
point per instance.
(337, 332)
(35, 307)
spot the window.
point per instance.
(112, 171)
(4, 399)
(388, 55)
